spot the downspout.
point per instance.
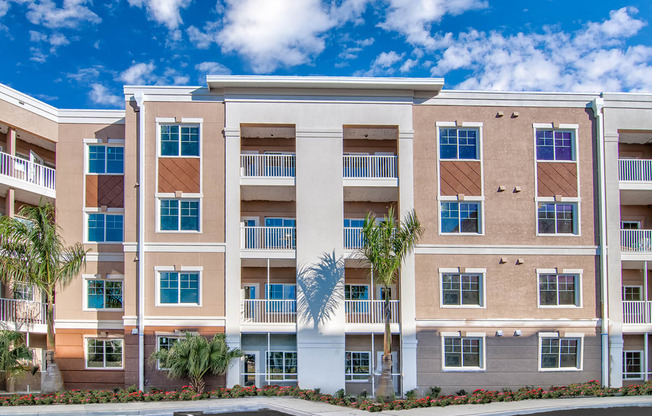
(597, 106)
(140, 100)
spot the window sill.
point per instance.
(462, 306)
(559, 370)
(178, 232)
(358, 381)
(105, 368)
(104, 174)
(179, 157)
(102, 310)
(559, 307)
(178, 305)
(556, 161)
(557, 235)
(463, 234)
(463, 370)
(104, 242)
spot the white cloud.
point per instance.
(86, 75)
(4, 7)
(273, 34)
(212, 68)
(99, 94)
(384, 64)
(202, 40)
(138, 74)
(591, 59)
(72, 14)
(166, 12)
(408, 65)
(414, 18)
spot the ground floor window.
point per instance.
(632, 365)
(357, 366)
(463, 353)
(281, 365)
(103, 353)
(560, 353)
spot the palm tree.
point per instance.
(385, 246)
(195, 356)
(34, 253)
(12, 352)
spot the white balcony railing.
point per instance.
(27, 171)
(268, 238)
(269, 311)
(638, 241)
(370, 166)
(22, 311)
(635, 170)
(353, 238)
(370, 311)
(267, 166)
(637, 312)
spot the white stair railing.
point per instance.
(27, 171)
(275, 166)
(370, 311)
(269, 311)
(370, 166)
(637, 312)
(268, 238)
(636, 240)
(22, 311)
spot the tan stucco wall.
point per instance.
(642, 213)
(22, 119)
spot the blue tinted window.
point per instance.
(190, 215)
(114, 159)
(179, 288)
(114, 228)
(169, 286)
(457, 143)
(169, 140)
(448, 143)
(95, 227)
(169, 214)
(96, 159)
(189, 288)
(460, 217)
(96, 294)
(189, 141)
(554, 145)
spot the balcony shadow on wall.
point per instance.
(321, 289)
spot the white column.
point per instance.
(408, 290)
(320, 218)
(232, 268)
(646, 353)
(11, 149)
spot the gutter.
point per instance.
(597, 105)
(140, 100)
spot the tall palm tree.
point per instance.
(195, 356)
(385, 246)
(33, 252)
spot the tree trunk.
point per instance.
(51, 380)
(385, 389)
(197, 384)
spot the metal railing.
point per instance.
(27, 171)
(353, 237)
(269, 311)
(370, 311)
(267, 166)
(635, 170)
(639, 241)
(268, 238)
(22, 311)
(637, 312)
(370, 166)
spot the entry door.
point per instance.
(249, 291)
(250, 368)
(251, 233)
(35, 172)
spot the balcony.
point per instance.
(371, 178)
(17, 314)
(272, 242)
(260, 315)
(28, 176)
(267, 177)
(635, 181)
(370, 311)
(637, 312)
(635, 244)
(352, 238)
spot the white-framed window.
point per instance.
(179, 215)
(104, 228)
(557, 218)
(105, 159)
(630, 225)
(459, 143)
(179, 140)
(23, 291)
(104, 353)
(632, 293)
(559, 289)
(181, 288)
(357, 366)
(555, 144)
(558, 353)
(633, 365)
(105, 294)
(356, 292)
(462, 289)
(461, 217)
(281, 365)
(463, 353)
(165, 342)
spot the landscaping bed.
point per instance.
(589, 389)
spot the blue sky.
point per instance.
(79, 54)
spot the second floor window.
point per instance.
(461, 289)
(23, 291)
(555, 145)
(179, 288)
(557, 218)
(105, 228)
(460, 217)
(105, 159)
(104, 294)
(559, 290)
(179, 140)
(457, 143)
(179, 215)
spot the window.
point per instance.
(457, 143)
(278, 295)
(630, 225)
(357, 366)
(356, 292)
(179, 215)
(280, 233)
(560, 353)
(105, 227)
(103, 294)
(353, 233)
(179, 140)
(460, 217)
(559, 290)
(463, 353)
(632, 365)
(23, 291)
(105, 159)
(461, 289)
(179, 288)
(555, 145)
(632, 293)
(557, 218)
(281, 365)
(103, 353)
(165, 343)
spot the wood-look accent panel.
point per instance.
(179, 174)
(105, 190)
(557, 179)
(460, 177)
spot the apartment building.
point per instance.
(237, 208)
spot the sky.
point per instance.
(80, 53)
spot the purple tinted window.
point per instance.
(554, 145)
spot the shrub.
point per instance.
(433, 392)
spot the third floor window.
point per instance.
(105, 159)
(455, 143)
(179, 140)
(555, 145)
